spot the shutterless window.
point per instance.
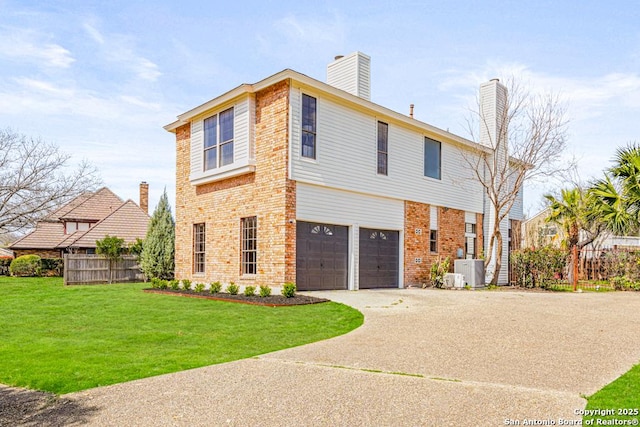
(308, 126)
(433, 240)
(249, 260)
(218, 140)
(198, 248)
(432, 157)
(383, 146)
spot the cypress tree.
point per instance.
(157, 258)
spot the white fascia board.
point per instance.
(335, 93)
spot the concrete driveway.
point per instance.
(422, 357)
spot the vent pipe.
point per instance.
(411, 111)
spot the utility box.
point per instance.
(472, 270)
(452, 280)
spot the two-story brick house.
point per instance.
(293, 179)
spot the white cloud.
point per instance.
(30, 46)
(93, 33)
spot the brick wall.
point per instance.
(42, 253)
(266, 194)
(416, 245)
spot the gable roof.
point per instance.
(64, 209)
(128, 222)
(94, 208)
(6, 253)
(333, 92)
(47, 235)
(108, 213)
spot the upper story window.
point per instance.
(72, 226)
(383, 147)
(218, 140)
(309, 126)
(432, 158)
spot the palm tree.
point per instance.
(576, 212)
(617, 196)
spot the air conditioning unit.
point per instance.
(452, 280)
(472, 270)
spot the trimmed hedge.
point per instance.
(25, 266)
(51, 267)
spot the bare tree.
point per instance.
(35, 179)
(521, 137)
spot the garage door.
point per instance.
(321, 256)
(379, 258)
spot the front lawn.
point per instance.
(64, 339)
(621, 396)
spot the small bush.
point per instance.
(265, 291)
(233, 289)
(174, 284)
(25, 266)
(623, 283)
(164, 284)
(155, 283)
(289, 290)
(199, 287)
(4, 266)
(249, 291)
(51, 267)
(186, 284)
(438, 270)
(215, 287)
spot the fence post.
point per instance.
(574, 254)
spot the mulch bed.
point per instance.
(270, 301)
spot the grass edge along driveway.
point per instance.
(66, 339)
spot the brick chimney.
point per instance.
(144, 196)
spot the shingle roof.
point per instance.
(128, 222)
(103, 208)
(47, 235)
(4, 253)
(60, 212)
(94, 208)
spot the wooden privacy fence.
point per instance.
(92, 269)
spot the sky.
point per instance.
(101, 78)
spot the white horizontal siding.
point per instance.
(346, 159)
(243, 131)
(331, 206)
(470, 217)
(321, 204)
(197, 147)
(517, 210)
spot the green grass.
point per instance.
(64, 339)
(621, 395)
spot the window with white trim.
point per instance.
(218, 140)
(198, 247)
(470, 240)
(432, 158)
(309, 105)
(383, 147)
(249, 245)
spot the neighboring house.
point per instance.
(538, 232)
(75, 227)
(295, 180)
(6, 253)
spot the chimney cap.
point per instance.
(495, 79)
(338, 57)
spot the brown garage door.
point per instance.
(379, 258)
(321, 256)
